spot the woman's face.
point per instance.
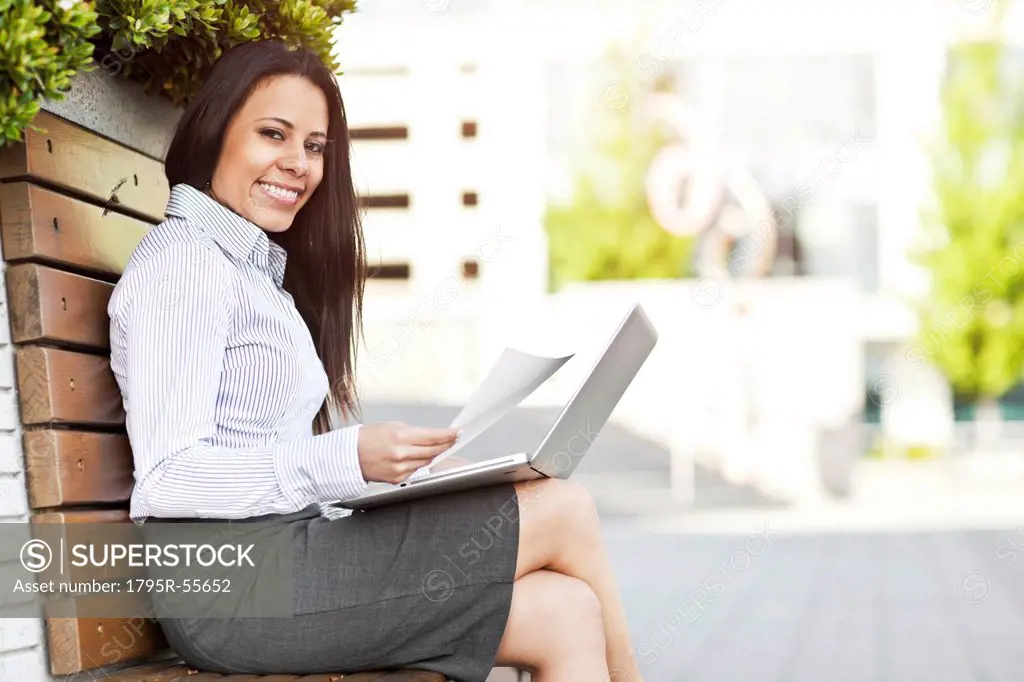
(273, 154)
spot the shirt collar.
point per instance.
(233, 233)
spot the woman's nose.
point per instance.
(296, 162)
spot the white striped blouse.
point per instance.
(219, 376)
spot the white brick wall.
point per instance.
(22, 652)
(26, 665)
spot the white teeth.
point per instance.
(279, 192)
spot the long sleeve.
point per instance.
(170, 330)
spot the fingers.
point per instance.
(423, 436)
(405, 473)
(416, 456)
(412, 458)
(415, 459)
(429, 452)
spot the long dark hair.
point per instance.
(326, 268)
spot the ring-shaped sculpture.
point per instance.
(690, 192)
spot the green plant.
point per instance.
(972, 326)
(167, 45)
(42, 46)
(606, 231)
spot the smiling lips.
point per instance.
(278, 193)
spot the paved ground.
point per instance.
(917, 575)
(768, 606)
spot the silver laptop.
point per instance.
(565, 444)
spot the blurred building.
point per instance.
(481, 106)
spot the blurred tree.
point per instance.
(606, 231)
(972, 326)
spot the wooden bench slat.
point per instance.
(62, 386)
(146, 673)
(83, 516)
(43, 225)
(79, 644)
(74, 158)
(74, 467)
(174, 672)
(52, 305)
(57, 528)
(182, 673)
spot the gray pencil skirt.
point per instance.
(425, 584)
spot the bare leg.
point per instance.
(554, 630)
(559, 530)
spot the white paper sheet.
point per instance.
(512, 378)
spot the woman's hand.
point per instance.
(390, 451)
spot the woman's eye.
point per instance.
(273, 133)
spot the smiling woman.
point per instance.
(232, 338)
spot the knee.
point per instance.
(576, 504)
(565, 511)
(568, 497)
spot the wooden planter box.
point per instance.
(119, 110)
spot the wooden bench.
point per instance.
(73, 205)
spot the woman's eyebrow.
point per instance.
(290, 126)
